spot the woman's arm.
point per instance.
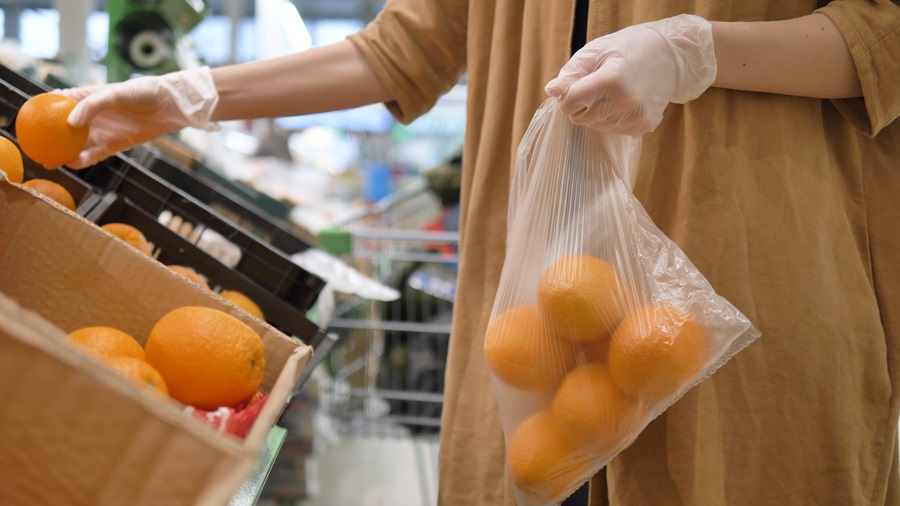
(805, 56)
(622, 82)
(322, 79)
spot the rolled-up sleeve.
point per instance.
(417, 49)
(872, 31)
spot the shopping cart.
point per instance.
(387, 366)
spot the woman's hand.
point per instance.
(622, 82)
(124, 115)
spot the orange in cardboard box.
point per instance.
(130, 235)
(53, 191)
(11, 160)
(208, 358)
(242, 301)
(140, 372)
(106, 342)
(191, 274)
(58, 271)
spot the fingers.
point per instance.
(89, 157)
(77, 93)
(558, 86)
(606, 100)
(89, 107)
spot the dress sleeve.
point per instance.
(872, 31)
(417, 49)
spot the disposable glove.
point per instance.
(124, 115)
(623, 81)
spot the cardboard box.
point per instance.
(71, 431)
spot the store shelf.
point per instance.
(240, 204)
(268, 267)
(171, 248)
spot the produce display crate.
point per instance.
(285, 290)
(171, 248)
(256, 211)
(23, 82)
(71, 431)
(270, 268)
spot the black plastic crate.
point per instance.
(239, 208)
(23, 82)
(269, 268)
(171, 248)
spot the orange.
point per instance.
(140, 372)
(583, 297)
(242, 301)
(592, 352)
(44, 133)
(106, 342)
(208, 358)
(544, 462)
(656, 350)
(522, 352)
(11, 160)
(191, 274)
(130, 235)
(53, 191)
(592, 409)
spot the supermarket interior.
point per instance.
(235, 236)
(342, 227)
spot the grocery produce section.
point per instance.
(229, 257)
(126, 303)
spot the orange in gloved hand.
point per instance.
(44, 133)
(655, 351)
(592, 409)
(543, 461)
(583, 297)
(52, 190)
(521, 350)
(11, 160)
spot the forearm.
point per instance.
(326, 78)
(805, 56)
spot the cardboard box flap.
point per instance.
(59, 391)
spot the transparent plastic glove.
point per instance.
(124, 115)
(622, 82)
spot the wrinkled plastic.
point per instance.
(124, 115)
(623, 81)
(600, 322)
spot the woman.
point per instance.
(777, 182)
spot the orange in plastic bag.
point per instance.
(600, 321)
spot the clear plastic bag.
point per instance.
(600, 321)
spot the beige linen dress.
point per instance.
(789, 206)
